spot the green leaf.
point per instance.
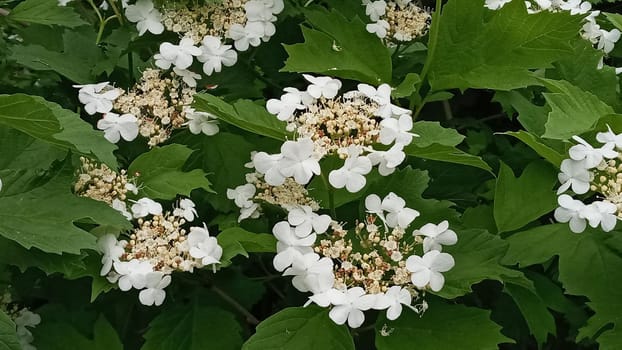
(45, 12)
(534, 310)
(105, 337)
(573, 111)
(44, 217)
(69, 265)
(237, 241)
(161, 175)
(477, 255)
(519, 201)
(588, 266)
(193, 327)
(535, 143)
(300, 328)
(8, 335)
(531, 117)
(442, 326)
(615, 19)
(339, 47)
(243, 114)
(478, 48)
(443, 153)
(49, 122)
(433, 133)
(407, 87)
(55, 335)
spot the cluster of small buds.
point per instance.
(158, 245)
(603, 39)
(23, 319)
(592, 169)
(216, 27)
(348, 126)
(250, 196)
(373, 266)
(397, 21)
(101, 183)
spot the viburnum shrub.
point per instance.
(310, 174)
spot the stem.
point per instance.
(436, 23)
(331, 196)
(99, 15)
(397, 50)
(116, 11)
(130, 66)
(250, 318)
(102, 26)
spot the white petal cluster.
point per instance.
(300, 256)
(204, 247)
(97, 98)
(297, 159)
(118, 127)
(146, 17)
(261, 15)
(201, 122)
(396, 20)
(583, 172)
(23, 320)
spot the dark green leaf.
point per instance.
(45, 12)
(534, 310)
(8, 335)
(535, 143)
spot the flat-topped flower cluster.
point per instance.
(596, 169)
(374, 265)
(397, 21)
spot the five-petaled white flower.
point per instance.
(132, 273)
(146, 17)
(396, 130)
(436, 236)
(398, 213)
(117, 126)
(189, 77)
(285, 107)
(214, 55)
(204, 247)
(180, 56)
(379, 28)
(610, 137)
(305, 221)
(289, 245)
(186, 209)
(571, 210)
(269, 165)
(601, 213)
(242, 195)
(97, 98)
(388, 161)
(154, 293)
(608, 39)
(311, 273)
(574, 174)
(349, 305)
(322, 86)
(352, 174)
(393, 300)
(375, 9)
(591, 156)
(112, 251)
(299, 160)
(201, 122)
(427, 270)
(245, 36)
(146, 206)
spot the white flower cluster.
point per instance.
(381, 271)
(347, 126)
(23, 319)
(603, 39)
(592, 169)
(397, 20)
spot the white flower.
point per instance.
(610, 137)
(257, 11)
(351, 175)
(387, 161)
(305, 98)
(322, 86)
(427, 270)
(189, 77)
(576, 6)
(117, 126)
(121, 207)
(574, 173)
(349, 305)
(396, 130)
(269, 165)
(242, 195)
(495, 4)
(251, 211)
(180, 56)
(311, 273)
(436, 236)
(214, 55)
(285, 107)
(289, 245)
(601, 213)
(393, 300)
(204, 247)
(570, 210)
(186, 209)
(97, 98)
(250, 34)
(379, 28)
(154, 293)
(146, 17)
(132, 273)
(63, 2)
(112, 251)
(375, 9)
(591, 32)
(305, 221)
(146, 206)
(26, 318)
(592, 156)
(398, 214)
(299, 161)
(201, 122)
(608, 39)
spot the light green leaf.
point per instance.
(443, 153)
(535, 143)
(442, 326)
(161, 175)
(45, 12)
(8, 335)
(237, 241)
(479, 48)
(300, 328)
(339, 47)
(44, 217)
(477, 255)
(588, 266)
(193, 327)
(573, 111)
(433, 133)
(407, 86)
(49, 122)
(615, 19)
(519, 201)
(243, 114)
(534, 310)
